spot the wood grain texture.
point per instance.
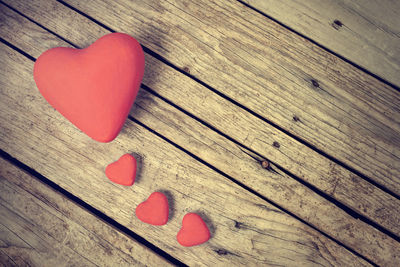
(43, 228)
(257, 233)
(276, 73)
(243, 127)
(223, 154)
(365, 32)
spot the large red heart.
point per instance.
(123, 171)
(95, 87)
(154, 210)
(194, 231)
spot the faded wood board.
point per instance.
(365, 32)
(203, 142)
(279, 75)
(256, 233)
(43, 228)
(329, 177)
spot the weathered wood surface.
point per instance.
(40, 227)
(255, 234)
(338, 108)
(365, 32)
(222, 153)
(300, 160)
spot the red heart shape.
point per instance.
(194, 231)
(94, 88)
(154, 210)
(122, 171)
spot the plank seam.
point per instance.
(162, 59)
(340, 205)
(348, 210)
(15, 264)
(216, 170)
(89, 208)
(17, 49)
(337, 203)
(39, 25)
(323, 47)
(248, 188)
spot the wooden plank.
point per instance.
(257, 233)
(211, 147)
(365, 32)
(41, 227)
(300, 160)
(276, 73)
(7, 261)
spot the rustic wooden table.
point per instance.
(277, 121)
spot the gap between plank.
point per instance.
(89, 208)
(348, 210)
(123, 228)
(246, 187)
(321, 46)
(340, 205)
(165, 61)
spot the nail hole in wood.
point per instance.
(265, 164)
(276, 144)
(186, 69)
(315, 83)
(337, 24)
(238, 225)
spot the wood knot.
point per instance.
(315, 83)
(265, 164)
(186, 69)
(276, 144)
(337, 24)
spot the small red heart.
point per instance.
(194, 231)
(154, 210)
(122, 171)
(94, 88)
